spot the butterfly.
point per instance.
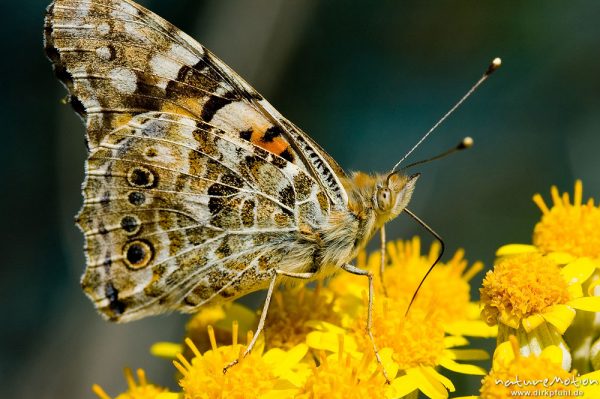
(197, 190)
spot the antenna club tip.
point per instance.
(467, 142)
(495, 64)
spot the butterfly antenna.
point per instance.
(494, 65)
(465, 143)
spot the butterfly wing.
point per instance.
(177, 214)
(195, 185)
(118, 59)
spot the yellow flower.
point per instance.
(566, 231)
(405, 268)
(530, 296)
(274, 374)
(141, 390)
(221, 317)
(568, 228)
(515, 375)
(529, 289)
(569, 232)
(511, 371)
(342, 375)
(414, 344)
(290, 312)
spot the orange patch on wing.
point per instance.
(276, 145)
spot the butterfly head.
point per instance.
(384, 195)
(392, 194)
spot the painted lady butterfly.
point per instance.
(197, 190)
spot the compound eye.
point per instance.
(384, 199)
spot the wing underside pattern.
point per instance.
(176, 212)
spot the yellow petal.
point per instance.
(324, 326)
(283, 359)
(591, 388)
(560, 316)
(578, 271)
(553, 353)
(401, 387)
(467, 354)
(387, 360)
(588, 303)
(508, 319)
(592, 287)
(167, 350)
(330, 341)
(461, 368)
(575, 291)
(532, 322)
(455, 340)
(504, 354)
(429, 386)
(168, 395)
(432, 374)
(472, 328)
(560, 258)
(515, 249)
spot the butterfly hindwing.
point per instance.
(177, 214)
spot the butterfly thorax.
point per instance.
(373, 200)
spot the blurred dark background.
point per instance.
(366, 80)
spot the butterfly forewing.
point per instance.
(118, 60)
(196, 187)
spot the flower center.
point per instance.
(416, 338)
(520, 286)
(342, 376)
(204, 377)
(290, 310)
(449, 280)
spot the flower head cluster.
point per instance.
(317, 338)
(275, 373)
(512, 372)
(543, 297)
(530, 289)
(415, 339)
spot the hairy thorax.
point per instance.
(348, 230)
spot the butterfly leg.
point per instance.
(382, 265)
(369, 275)
(263, 316)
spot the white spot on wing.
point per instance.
(164, 66)
(82, 10)
(123, 9)
(123, 79)
(103, 52)
(103, 28)
(239, 116)
(183, 54)
(136, 31)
